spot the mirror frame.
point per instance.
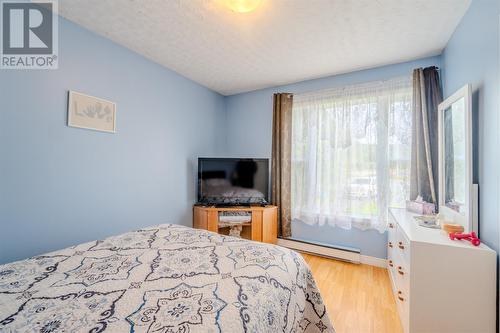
(467, 220)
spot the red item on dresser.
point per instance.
(471, 237)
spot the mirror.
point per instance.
(455, 158)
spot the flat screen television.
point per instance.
(233, 181)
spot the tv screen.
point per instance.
(233, 181)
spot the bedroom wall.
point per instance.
(249, 124)
(472, 56)
(61, 186)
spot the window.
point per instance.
(351, 154)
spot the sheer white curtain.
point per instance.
(351, 154)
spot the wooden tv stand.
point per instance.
(262, 228)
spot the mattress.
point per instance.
(167, 278)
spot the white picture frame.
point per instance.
(89, 112)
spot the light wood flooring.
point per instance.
(358, 298)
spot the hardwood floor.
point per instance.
(358, 297)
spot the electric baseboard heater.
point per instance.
(335, 252)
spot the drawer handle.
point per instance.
(390, 244)
(401, 246)
(400, 297)
(391, 225)
(400, 270)
(390, 263)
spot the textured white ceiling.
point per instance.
(279, 43)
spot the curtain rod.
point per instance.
(361, 85)
(355, 84)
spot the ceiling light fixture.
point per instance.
(242, 6)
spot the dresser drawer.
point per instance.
(392, 228)
(403, 304)
(403, 276)
(402, 247)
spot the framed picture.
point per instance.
(90, 112)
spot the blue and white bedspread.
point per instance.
(167, 278)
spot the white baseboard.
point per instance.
(345, 254)
(374, 261)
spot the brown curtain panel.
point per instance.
(427, 95)
(281, 161)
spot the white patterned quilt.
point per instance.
(167, 278)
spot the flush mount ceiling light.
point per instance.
(242, 6)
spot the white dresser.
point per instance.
(440, 285)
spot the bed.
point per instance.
(166, 278)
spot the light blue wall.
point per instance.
(61, 186)
(472, 56)
(249, 124)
